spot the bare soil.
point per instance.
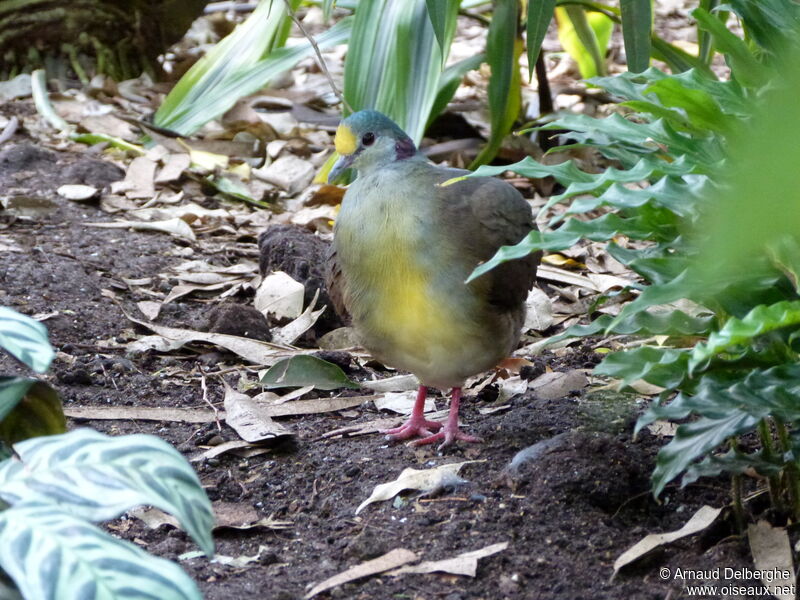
(567, 514)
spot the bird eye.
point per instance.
(368, 138)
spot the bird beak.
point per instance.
(340, 166)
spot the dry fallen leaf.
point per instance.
(176, 227)
(149, 309)
(550, 386)
(138, 182)
(402, 402)
(412, 479)
(539, 311)
(290, 332)
(391, 560)
(249, 418)
(398, 383)
(704, 517)
(77, 192)
(142, 413)
(772, 553)
(280, 295)
(463, 564)
(171, 338)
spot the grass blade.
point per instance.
(637, 22)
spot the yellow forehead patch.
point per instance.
(345, 141)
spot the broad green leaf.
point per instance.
(97, 477)
(677, 59)
(700, 107)
(503, 49)
(53, 555)
(585, 37)
(637, 21)
(761, 320)
(443, 15)
(665, 367)
(303, 370)
(12, 390)
(540, 13)
(37, 412)
(25, 339)
(746, 68)
(768, 22)
(394, 63)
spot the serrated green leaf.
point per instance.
(573, 230)
(25, 339)
(37, 412)
(665, 367)
(637, 21)
(700, 107)
(540, 13)
(97, 477)
(671, 322)
(732, 463)
(760, 320)
(303, 370)
(51, 554)
(725, 410)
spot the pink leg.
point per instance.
(450, 432)
(416, 424)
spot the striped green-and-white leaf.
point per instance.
(394, 62)
(25, 339)
(97, 477)
(241, 64)
(51, 554)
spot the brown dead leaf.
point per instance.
(262, 353)
(427, 480)
(142, 413)
(149, 309)
(704, 517)
(772, 553)
(402, 402)
(289, 172)
(176, 227)
(280, 295)
(391, 560)
(553, 385)
(138, 182)
(464, 564)
(251, 419)
(173, 168)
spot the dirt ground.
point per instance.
(567, 514)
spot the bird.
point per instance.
(406, 239)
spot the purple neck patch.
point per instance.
(404, 148)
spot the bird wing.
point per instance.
(481, 215)
(335, 283)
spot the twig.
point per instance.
(204, 387)
(320, 61)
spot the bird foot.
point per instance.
(448, 435)
(412, 428)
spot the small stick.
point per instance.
(320, 60)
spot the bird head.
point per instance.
(368, 140)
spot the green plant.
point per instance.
(241, 64)
(56, 485)
(714, 156)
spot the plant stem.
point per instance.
(791, 469)
(738, 507)
(765, 435)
